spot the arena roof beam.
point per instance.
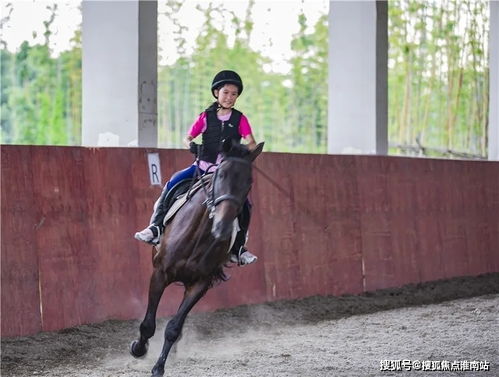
(119, 73)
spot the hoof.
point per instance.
(136, 351)
(157, 373)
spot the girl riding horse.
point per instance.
(195, 245)
(218, 122)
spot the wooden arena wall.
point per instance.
(322, 225)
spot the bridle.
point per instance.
(212, 201)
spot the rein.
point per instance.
(211, 202)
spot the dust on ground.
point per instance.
(449, 320)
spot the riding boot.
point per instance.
(152, 233)
(160, 209)
(239, 253)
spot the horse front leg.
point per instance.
(192, 295)
(157, 286)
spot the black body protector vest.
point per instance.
(217, 131)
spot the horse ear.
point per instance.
(227, 145)
(256, 152)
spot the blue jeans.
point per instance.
(181, 175)
(159, 211)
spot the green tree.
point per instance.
(185, 86)
(438, 93)
(438, 81)
(288, 117)
(41, 94)
(309, 91)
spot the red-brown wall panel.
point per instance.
(322, 224)
(19, 281)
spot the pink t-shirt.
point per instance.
(200, 125)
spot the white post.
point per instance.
(493, 136)
(358, 77)
(119, 73)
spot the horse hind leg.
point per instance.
(192, 295)
(158, 283)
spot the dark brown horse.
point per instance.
(195, 245)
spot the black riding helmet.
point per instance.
(226, 77)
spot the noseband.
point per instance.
(211, 201)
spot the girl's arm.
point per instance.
(247, 133)
(196, 129)
(250, 141)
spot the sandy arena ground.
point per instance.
(450, 320)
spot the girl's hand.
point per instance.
(251, 143)
(194, 148)
(187, 141)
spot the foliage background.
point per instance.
(438, 77)
(438, 81)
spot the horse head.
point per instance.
(231, 185)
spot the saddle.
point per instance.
(180, 194)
